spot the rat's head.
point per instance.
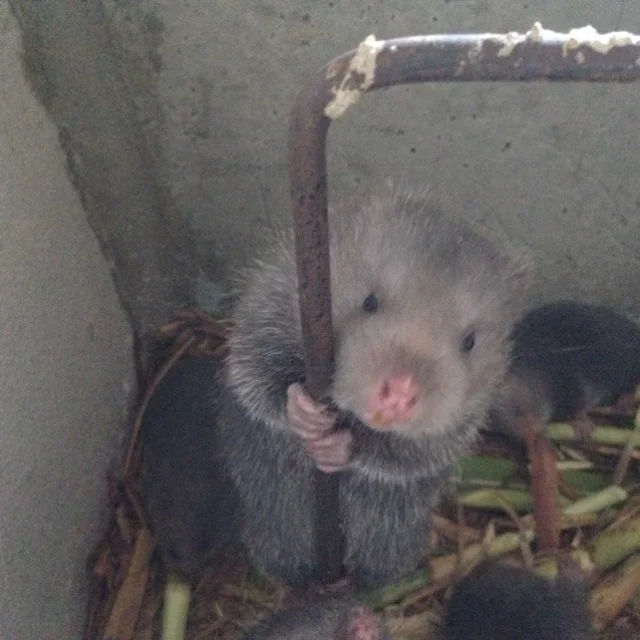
(423, 308)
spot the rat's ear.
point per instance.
(521, 270)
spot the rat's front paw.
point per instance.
(315, 425)
(308, 418)
(332, 452)
(583, 425)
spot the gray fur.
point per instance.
(568, 357)
(325, 620)
(498, 602)
(436, 281)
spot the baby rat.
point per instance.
(568, 357)
(423, 309)
(325, 620)
(494, 602)
(498, 602)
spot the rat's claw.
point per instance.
(331, 452)
(314, 424)
(308, 419)
(297, 394)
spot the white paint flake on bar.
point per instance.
(600, 42)
(363, 63)
(580, 37)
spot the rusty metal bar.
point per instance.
(308, 179)
(539, 54)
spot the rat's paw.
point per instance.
(332, 452)
(309, 419)
(315, 425)
(583, 425)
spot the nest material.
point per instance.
(487, 513)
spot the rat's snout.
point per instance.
(393, 400)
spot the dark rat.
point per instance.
(494, 602)
(192, 502)
(499, 602)
(324, 620)
(568, 357)
(423, 308)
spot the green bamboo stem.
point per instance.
(562, 432)
(520, 500)
(493, 472)
(383, 596)
(177, 595)
(585, 482)
(597, 501)
(548, 568)
(614, 544)
(611, 595)
(606, 550)
(574, 465)
(443, 568)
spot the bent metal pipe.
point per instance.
(581, 55)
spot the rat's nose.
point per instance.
(393, 400)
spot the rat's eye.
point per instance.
(370, 304)
(469, 341)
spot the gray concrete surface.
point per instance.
(66, 371)
(172, 118)
(549, 166)
(112, 153)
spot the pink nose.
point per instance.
(394, 400)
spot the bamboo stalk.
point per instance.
(177, 595)
(520, 500)
(614, 544)
(611, 596)
(562, 432)
(597, 501)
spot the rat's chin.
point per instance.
(378, 421)
(381, 423)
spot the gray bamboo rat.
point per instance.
(568, 358)
(334, 619)
(423, 309)
(494, 602)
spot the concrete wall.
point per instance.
(172, 119)
(108, 135)
(65, 371)
(550, 166)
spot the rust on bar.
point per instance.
(308, 179)
(537, 55)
